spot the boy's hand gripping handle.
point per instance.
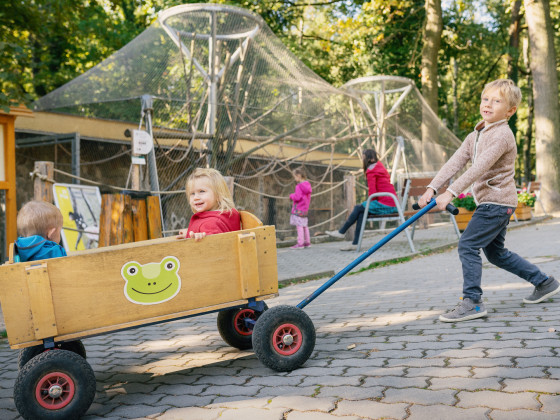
(450, 208)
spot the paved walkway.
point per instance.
(380, 350)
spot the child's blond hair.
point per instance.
(217, 184)
(38, 218)
(508, 90)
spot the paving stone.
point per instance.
(191, 413)
(274, 391)
(298, 415)
(431, 412)
(437, 372)
(551, 403)
(522, 415)
(421, 362)
(482, 362)
(396, 382)
(331, 381)
(520, 353)
(135, 411)
(505, 372)
(365, 409)
(533, 384)
(303, 403)
(468, 384)
(498, 400)
(350, 393)
(551, 361)
(419, 396)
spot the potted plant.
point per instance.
(466, 205)
(525, 202)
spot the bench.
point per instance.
(412, 188)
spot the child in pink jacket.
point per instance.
(301, 198)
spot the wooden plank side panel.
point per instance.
(40, 301)
(89, 289)
(248, 264)
(16, 309)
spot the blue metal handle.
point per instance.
(366, 254)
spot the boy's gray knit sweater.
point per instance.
(492, 151)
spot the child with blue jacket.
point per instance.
(39, 225)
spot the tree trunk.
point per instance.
(527, 161)
(433, 27)
(545, 93)
(513, 53)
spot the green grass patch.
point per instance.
(3, 334)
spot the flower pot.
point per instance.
(523, 212)
(463, 218)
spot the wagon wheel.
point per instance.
(54, 385)
(233, 328)
(284, 338)
(28, 353)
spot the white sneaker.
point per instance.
(335, 234)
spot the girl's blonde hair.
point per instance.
(508, 90)
(217, 184)
(37, 218)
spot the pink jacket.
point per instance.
(301, 197)
(379, 180)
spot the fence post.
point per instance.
(42, 188)
(350, 199)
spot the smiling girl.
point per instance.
(212, 205)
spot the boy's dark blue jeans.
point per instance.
(487, 231)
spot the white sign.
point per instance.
(141, 142)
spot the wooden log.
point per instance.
(42, 189)
(154, 217)
(139, 219)
(127, 226)
(105, 220)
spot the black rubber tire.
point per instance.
(28, 353)
(74, 372)
(273, 352)
(235, 335)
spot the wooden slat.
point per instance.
(249, 220)
(40, 300)
(154, 217)
(139, 220)
(248, 264)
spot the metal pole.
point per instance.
(147, 109)
(76, 157)
(212, 97)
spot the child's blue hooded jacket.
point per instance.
(32, 248)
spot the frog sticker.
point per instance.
(151, 283)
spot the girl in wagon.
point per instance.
(212, 204)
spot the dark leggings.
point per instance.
(357, 215)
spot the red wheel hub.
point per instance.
(54, 391)
(287, 339)
(239, 323)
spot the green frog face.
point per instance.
(151, 283)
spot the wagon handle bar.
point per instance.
(450, 208)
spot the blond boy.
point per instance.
(39, 225)
(492, 150)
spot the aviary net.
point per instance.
(215, 87)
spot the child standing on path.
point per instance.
(212, 205)
(492, 149)
(39, 225)
(378, 180)
(301, 198)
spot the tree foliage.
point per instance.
(47, 43)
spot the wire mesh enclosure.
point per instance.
(213, 86)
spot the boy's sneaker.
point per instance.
(349, 248)
(466, 309)
(543, 291)
(335, 234)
